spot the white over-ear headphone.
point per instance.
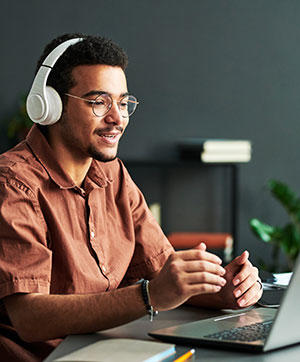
(44, 105)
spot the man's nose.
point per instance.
(114, 115)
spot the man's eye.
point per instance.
(124, 104)
(99, 102)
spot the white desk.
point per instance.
(139, 329)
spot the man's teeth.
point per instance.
(108, 136)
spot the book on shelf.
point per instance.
(121, 349)
(220, 157)
(213, 150)
(188, 240)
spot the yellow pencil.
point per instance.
(185, 356)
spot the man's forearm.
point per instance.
(39, 317)
(211, 301)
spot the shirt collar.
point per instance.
(43, 152)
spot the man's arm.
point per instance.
(39, 317)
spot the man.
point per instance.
(76, 234)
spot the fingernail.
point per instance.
(236, 281)
(241, 302)
(223, 281)
(237, 293)
(218, 288)
(223, 271)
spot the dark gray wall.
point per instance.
(200, 68)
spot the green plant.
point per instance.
(286, 238)
(19, 123)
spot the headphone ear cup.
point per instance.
(36, 107)
(44, 105)
(44, 110)
(55, 106)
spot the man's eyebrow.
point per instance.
(99, 93)
(94, 93)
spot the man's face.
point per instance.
(82, 133)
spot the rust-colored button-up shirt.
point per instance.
(57, 238)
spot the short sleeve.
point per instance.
(152, 247)
(25, 260)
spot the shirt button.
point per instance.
(92, 234)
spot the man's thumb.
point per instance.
(241, 259)
(200, 246)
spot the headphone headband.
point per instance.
(44, 105)
(52, 58)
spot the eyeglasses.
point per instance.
(102, 104)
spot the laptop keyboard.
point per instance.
(249, 333)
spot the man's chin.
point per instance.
(106, 159)
(100, 156)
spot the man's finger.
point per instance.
(253, 293)
(200, 246)
(241, 259)
(196, 254)
(246, 271)
(205, 278)
(192, 266)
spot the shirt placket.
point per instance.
(94, 239)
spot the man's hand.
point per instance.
(185, 274)
(242, 288)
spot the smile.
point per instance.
(110, 138)
(108, 135)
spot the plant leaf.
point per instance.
(286, 197)
(264, 231)
(290, 241)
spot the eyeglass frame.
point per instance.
(93, 101)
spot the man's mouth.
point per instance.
(110, 137)
(109, 132)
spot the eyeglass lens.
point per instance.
(103, 103)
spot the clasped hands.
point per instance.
(198, 274)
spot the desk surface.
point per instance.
(139, 330)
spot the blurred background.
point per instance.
(200, 68)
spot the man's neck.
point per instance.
(74, 165)
(76, 170)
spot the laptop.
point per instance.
(256, 329)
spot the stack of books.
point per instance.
(212, 150)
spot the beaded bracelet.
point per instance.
(145, 293)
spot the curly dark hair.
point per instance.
(92, 50)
